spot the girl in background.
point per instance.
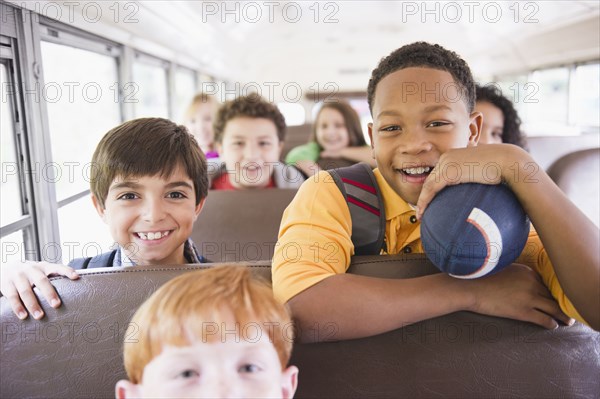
(337, 140)
(199, 121)
(501, 123)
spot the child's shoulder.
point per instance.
(305, 152)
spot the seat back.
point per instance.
(578, 176)
(548, 149)
(76, 350)
(295, 136)
(240, 225)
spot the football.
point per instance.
(472, 230)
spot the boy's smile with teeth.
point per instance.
(412, 129)
(417, 170)
(151, 217)
(153, 235)
(250, 145)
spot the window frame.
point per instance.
(570, 121)
(21, 38)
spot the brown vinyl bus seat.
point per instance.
(578, 176)
(240, 225)
(548, 149)
(75, 351)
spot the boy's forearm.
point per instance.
(359, 154)
(571, 240)
(347, 306)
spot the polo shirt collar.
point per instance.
(394, 204)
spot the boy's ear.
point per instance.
(99, 208)
(475, 128)
(370, 130)
(125, 390)
(289, 382)
(199, 208)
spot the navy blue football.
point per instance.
(472, 230)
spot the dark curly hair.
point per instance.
(251, 106)
(423, 54)
(511, 133)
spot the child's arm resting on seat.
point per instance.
(18, 279)
(359, 306)
(357, 154)
(570, 239)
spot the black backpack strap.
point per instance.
(359, 187)
(103, 260)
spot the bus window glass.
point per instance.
(585, 100)
(546, 104)
(12, 247)
(82, 103)
(10, 204)
(185, 89)
(77, 242)
(293, 113)
(152, 90)
(517, 89)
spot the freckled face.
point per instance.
(229, 367)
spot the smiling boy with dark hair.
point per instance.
(148, 182)
(421, 98)
(249, 135)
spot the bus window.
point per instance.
(82, 231)
(547, 107)
(185, 89)
(10, 206)
(12, 247)
(585, 96)
(77, 121)
(17, 223)
(293, 113)
(150, 82)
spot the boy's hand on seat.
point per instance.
(18, 280)
(517, 293)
